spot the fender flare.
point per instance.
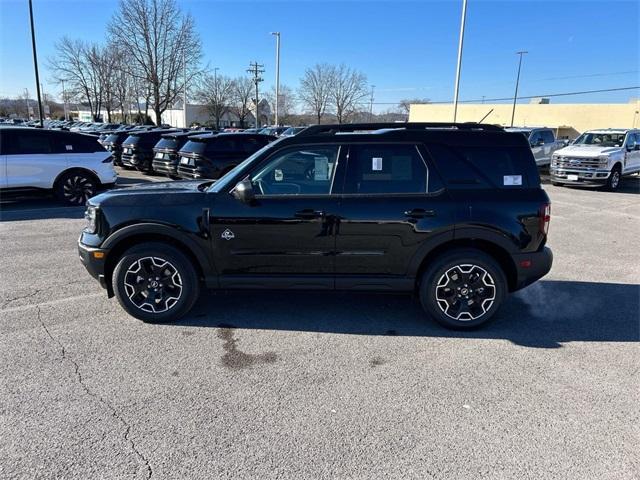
(465, 233)
(203, 258)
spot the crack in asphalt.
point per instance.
(19, 297)
(97, 397)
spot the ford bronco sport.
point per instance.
(451, 212)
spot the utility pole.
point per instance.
(35, 63)
(277, 35)
(256, 69)
(515, 95)
(64, 100)
(184, 98)
(459, 65)
(371, 104)
(26, 100)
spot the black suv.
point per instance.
(452, 212)
(137, 149)
(212, 155)
(165, 152)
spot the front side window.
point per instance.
(28, 143)
(547, 136)
(382, 169)
(298, 171)
(535, 138)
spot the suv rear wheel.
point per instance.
(75, 187)
(463, 289)
(155, 283)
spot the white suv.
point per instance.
(598, 157)
(73, 165)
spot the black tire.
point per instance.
(556, 184)
(443, 298)
(159, 262)
(75, 187)
(614, 180)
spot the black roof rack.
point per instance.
(356, 127)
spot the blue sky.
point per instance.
(406, 48)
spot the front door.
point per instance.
(390, 206)
(632, 153)
(285, 237)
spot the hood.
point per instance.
(587, 151)
(153, 193)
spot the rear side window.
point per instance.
(75, 143)
(26, 142)
(547, 136)
(481, 167)
(385, 168)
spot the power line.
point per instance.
(549, 95)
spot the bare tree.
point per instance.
(242, 98)
(315, 88)
(76, 63)
(159, 40)
(405, 104)
(287, 105)
(216, 92)
(348, 89)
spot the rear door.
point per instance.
(632, 152)
(33, 159)
(392, 202)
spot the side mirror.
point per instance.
(243, 191)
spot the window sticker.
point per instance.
(278, 175)
(69, 147)
(321, 169)
(376, 164)
(512, 180)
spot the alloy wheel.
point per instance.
(465, 292)
(153, 284)
(77, 189)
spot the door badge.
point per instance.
(228, 235)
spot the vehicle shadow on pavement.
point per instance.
(544, 315)
(37, 208)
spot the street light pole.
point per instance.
(277, 35)
(35, 63)
(64, 100)
(371, 104)
(459, 65)
(184, 98)
(515, 95)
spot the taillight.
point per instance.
(545, 218)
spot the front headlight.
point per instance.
(604, 161)
(91, 217)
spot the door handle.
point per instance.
(420, 213)
(309, 213)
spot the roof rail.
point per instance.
(354, 127)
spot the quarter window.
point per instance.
(300, 171)
(383, 169)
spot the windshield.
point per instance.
(601, 139)
(223, 181)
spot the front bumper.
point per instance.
(539, 264)
(595, 176)
(95, 264)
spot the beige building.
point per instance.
(569, 119)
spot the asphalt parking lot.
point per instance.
(270, 385)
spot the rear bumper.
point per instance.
(539, 264)
(165, 167)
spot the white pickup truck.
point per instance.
(542, 140)
(598, 158)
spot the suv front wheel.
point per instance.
(155, 283)
(463, 289)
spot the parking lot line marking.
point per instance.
(51, 302)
